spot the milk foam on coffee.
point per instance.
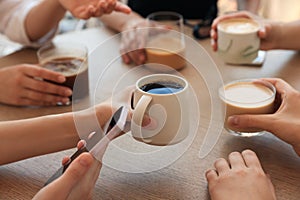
(239, 25)
(247, 94)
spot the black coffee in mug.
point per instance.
(162, 87)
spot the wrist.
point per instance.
(279, 35)
(131, 24)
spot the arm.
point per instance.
(42, 18)
(121, 22)
(32, 137)
(46, 15)
(284, 35)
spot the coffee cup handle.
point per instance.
(138, 115)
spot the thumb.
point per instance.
(76, 171)
(120, 7)
(264, 122)
(63, 186)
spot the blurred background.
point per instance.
(285, 11)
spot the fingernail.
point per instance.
(84, 162)
(68, 92)
(233, 120)
(61, 79)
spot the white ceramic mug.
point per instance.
(168, 111)
(238, 41)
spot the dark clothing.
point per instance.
(190, 9)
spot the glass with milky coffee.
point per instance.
(69, 59)
(165, 44)
(247, 96)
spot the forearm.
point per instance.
(288, 37)
(249, 5)
(32, 137)
(43, 18)
(119, 21)
(27, 138)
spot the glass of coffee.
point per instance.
(165, 43)
(69, 59)
(247, 96)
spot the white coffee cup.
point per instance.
(168, 110)
(238, 41)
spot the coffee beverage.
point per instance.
(238, 41)
(165, 99)
(247, 97)
(162, 87)
(167, 51)
(73, 69)
(239, 25)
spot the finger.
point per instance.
(236, 160)
(281, 86)
(76, 171)
(138, 56)
(120, 7)
(251, 159)
(46, 87)
(265, 122)
(211, 175)
(30, 102)
(81, 144)
(65, 160)
(110, 6)
(221, 166)
(43, 97)
(35, 71)
(126, 59)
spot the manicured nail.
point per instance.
(233, 120)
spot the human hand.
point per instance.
(20, 86)
(133, 42)
(284, 123)
(268, 33)
(77, 182)
(85, 9)
(241, 177)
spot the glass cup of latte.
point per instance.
(165, 45)
(247, 96)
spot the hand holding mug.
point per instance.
(268, 33)
(164, 98)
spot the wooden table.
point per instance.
(133, 170)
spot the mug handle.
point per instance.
(138, 115)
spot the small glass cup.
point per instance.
(165, 42)
(247, 96)
(69, 59)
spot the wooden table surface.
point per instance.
(133, 170)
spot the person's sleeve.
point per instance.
(15, 25)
